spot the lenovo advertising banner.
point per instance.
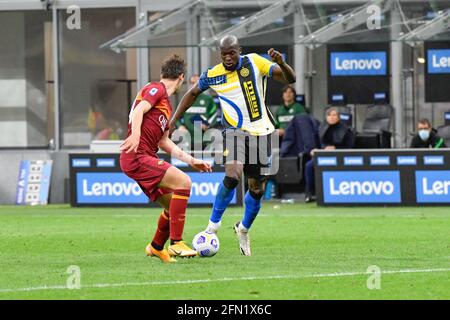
(437, 71)
(97, 180)
(383, 177)
(358, 71)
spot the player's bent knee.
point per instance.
(230, 182)
(185, 182)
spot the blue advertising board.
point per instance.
(382, 177)
(361, 187)
(433, 186)
(34, 182)
(97, 180)
(116, 187)
(369, 63)
(438, 61)
(108, 187)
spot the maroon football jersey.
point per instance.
(155, 121)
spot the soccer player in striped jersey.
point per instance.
(240, 82)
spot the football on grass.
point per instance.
(206, 244)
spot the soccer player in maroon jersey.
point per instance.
(160, 181)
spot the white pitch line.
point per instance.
(158, 283)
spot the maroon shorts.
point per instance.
(147, 171)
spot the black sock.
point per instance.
(157, 247)
(174, 241)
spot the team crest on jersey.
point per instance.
(245, 72)
(160, 162)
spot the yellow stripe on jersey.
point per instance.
(232, 77)
(218, 70)
(218, 90)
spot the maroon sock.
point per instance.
(177, 213)
(162, 232)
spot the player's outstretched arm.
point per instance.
(282, 72)
(132, 142)
(171, 148)
(186, 102)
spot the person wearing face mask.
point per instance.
(426, 137)
(332, 135)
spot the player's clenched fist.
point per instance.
(130, 144)
(275, 55)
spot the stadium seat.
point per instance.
(302, 135)
(289, 177)
(376, 128)
(290, 170)
(444, 132)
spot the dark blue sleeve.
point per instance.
(203, 82)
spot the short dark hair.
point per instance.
(289, 87)
(425, 121)
(173, 67)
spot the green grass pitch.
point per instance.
(299, 252)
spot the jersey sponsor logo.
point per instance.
(433, 186)
(361, 187)
(248, 86)
(163, 121)
(370, 63)
(252, 101)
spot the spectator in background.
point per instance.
(333, 135)
(203, 111)
(426, 136)
(112, 131)
(288, 110)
